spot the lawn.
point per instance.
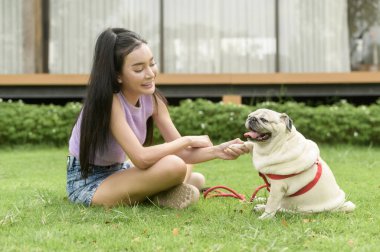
(35, 214)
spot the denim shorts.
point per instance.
(80, 190)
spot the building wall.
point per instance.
(11, 37)
(198, 36)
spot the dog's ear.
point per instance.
(288, 121)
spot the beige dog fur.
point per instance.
(278, 148)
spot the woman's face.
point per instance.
(139, 72)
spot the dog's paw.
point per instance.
(267, 216)
(249, 145)
(237, 146)
(260, 200)
(347, 207)
(259, 208)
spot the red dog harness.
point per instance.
(303, 189)
(266, 185)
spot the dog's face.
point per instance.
(266, 124)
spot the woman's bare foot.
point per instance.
(196, 179)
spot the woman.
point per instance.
(116, 121)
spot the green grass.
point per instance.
(35, 214)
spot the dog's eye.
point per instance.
(263, 120)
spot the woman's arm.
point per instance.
(193, 155)
(223, 151)
(144, 157)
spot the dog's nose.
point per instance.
(252, 122)
(253, 119)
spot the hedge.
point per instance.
(339, 123)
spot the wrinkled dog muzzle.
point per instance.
(257, 131)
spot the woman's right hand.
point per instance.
(199, 141)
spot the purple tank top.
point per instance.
(113, 153)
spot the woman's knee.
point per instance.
(174, 167)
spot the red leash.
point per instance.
(234, 194)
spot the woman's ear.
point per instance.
(118, 78)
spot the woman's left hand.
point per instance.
(231, 150)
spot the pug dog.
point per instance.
(300, 180)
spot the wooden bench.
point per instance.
(231, 87)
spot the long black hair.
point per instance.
(112, 46)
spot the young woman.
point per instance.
(116, 122)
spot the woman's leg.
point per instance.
(134, 185)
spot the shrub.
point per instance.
(201, 117)
(36, 124)
(339, 123)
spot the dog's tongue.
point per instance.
(251, 134)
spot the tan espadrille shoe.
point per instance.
(178, 197)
